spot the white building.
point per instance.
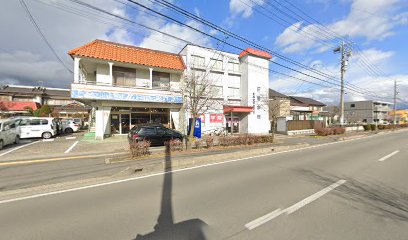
(243, 83)
(129, 85)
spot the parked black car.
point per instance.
(157, 134)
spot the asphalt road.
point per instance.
(336, 191)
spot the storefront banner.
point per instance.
(124, 96)
(216, 118)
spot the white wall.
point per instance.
(256, 74)
(102, 122)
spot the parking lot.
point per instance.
(69, 145)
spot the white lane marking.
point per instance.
(268, 217)
(388, 156)
(48, 140)
(178, 170)
(70, 137)
(16, 148)
(72, 146)
(314, 197)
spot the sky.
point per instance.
(304, 31)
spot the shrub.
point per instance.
(321, 131)
(339, 130)
(367, 127)
(197, 143)
(175, 145)
(373, 127)
(138, 149)
(209, 141)
(381, 127)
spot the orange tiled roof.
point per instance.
(18, 106)
(129, 54)
(255, 52)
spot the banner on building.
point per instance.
(216, 118)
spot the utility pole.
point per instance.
(395, 102)
(345, 51)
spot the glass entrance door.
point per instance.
(124, 123)
(115, 124)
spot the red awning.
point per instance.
(237, 109)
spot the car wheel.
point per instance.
(47, 135)
(1, 144)
(17, 140)
(69, 130)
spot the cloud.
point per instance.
(26, 68)
(402, 18)
(243, 8)
(162, 42)
(300, 37)
(380, 87)
(32, 59)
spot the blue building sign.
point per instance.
(124, 96)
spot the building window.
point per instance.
(124, 76)
(233, 67)
(258, 89)
(216, 64)
(233, 92)
(258, 116)
(197, 61)
(258, 98)
(161, 80)
(216, 91)
(352, 105)
(258, 107)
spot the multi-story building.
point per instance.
(369, 111)
(128, 85)
(242, 83)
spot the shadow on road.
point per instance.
(165, 227)
(372, 197)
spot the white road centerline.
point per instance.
(388, 156)
(16, 148)
(70, 138)
(268, 217)
(314, 197)
(72, 146)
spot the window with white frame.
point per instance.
(124, 76)
(233, 92)
(197, 61)
(216, 91)
(233, 66)
(216, 64)
(161, 80)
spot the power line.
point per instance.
(172, 36)
(184, 12)
(24, 5)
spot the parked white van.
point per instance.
(9, 133)
(35, 127)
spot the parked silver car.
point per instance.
(9, 133)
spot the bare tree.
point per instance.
(200, 95)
